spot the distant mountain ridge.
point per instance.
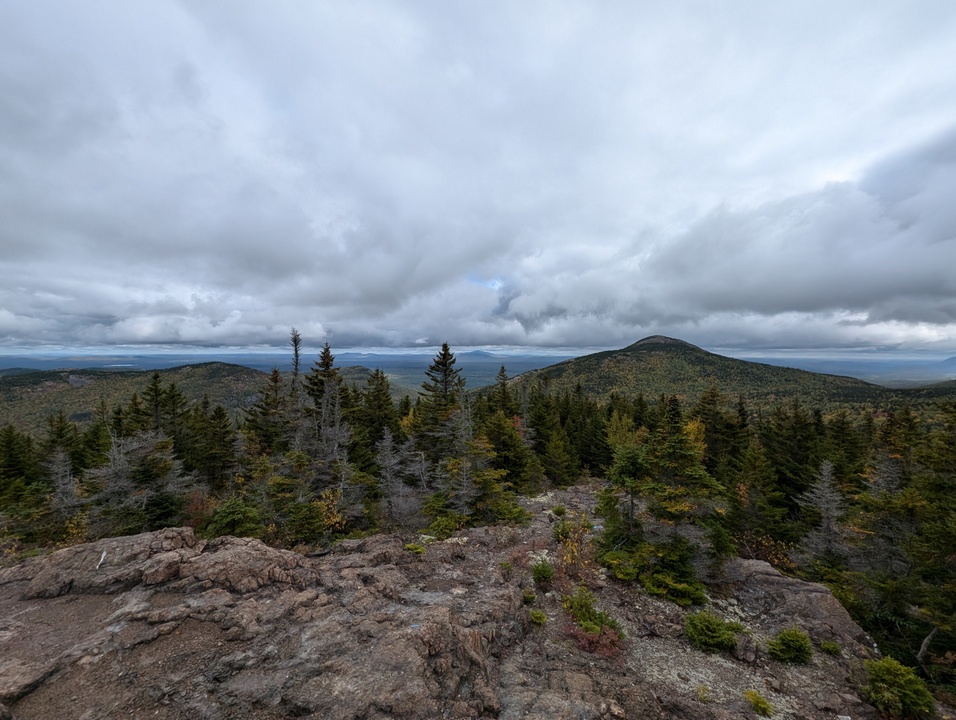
(659, 365)
(28, 398)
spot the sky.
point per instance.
(748, 175)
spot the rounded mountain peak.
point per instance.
(658, 341)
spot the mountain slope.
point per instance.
(660, 365)
(165, 625)
(27, 399)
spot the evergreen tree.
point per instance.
(267, 421)
(501, 398)
(375, 414)
(63, 435)
(559, 461)
(141, 488)
(438, 400)
(322, 376)
(681, 488)
(631, 473)
(756, 506)
(826, 542)
(845, 447)
(724, 437)
(212, 444)
(542, 417)
(512, 454)
(586, 429)
(792, 447)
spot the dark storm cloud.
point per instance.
(532, 174)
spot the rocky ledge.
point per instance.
(164, 625)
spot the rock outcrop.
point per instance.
(164, 625)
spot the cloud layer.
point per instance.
(393, 173)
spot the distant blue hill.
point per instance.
(478, 367)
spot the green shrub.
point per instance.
(528, 596)
(562, 530)
(415, 548)
(542, 572)
(682, 593)
(506, 568)
(538, 617)
(791, 646)
(235, 517)
(559, 510)
(759, 703)
(664, 569)
(445, 526)
(580, 606)
(896, 689)
(710, 633)
(830, 647)
(622, 564)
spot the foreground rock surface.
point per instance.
(164, 625)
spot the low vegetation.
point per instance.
(709, 633)
(896, 689)
(542, 572)
(758, 703)
(791, 646)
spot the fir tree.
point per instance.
(437, 402)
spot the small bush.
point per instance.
(538, 617)
(682, 593)
(562, 530)
(710, 633)
(506, 569)
(235, 517)
(528, 596)
(580, 606)
(445, 526)
(896, 689)
(542, 572)
(664, 569)
(759, 703)
(703, 694)
(791, 646)
(415, 548)
(830, 647)
(622, 564)
(559, 510)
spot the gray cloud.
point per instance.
(386, 173)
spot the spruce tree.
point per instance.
(437, 402)
(322, 376)
(267, 421)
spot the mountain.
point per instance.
(661, 365)
(28, 398)
(166, 625)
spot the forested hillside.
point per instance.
(28, 398)
(858, 496)
(659, 365)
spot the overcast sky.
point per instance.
(745, 174)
